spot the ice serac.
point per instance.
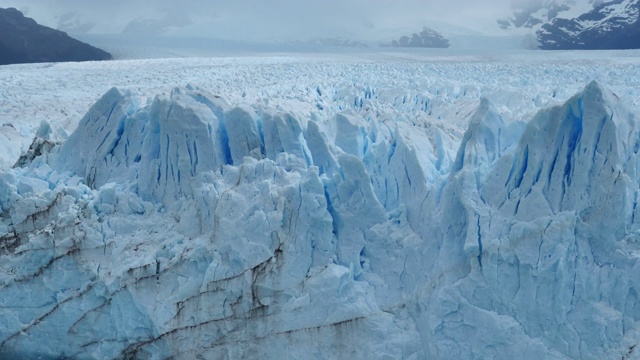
(555, 236)
(90, 152)
(573, 158)
(194, 228)
(160, 148)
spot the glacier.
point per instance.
(193, 225)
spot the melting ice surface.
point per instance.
(360, 221)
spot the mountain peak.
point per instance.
(573, 24)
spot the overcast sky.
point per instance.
(266, 18)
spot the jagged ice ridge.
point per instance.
(190, 227)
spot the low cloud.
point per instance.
(265, 19)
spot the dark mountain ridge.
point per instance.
(23, 40)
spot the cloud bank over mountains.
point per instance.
(274, 19)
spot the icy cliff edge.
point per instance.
(191, 227)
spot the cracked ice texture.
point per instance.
(190, 227)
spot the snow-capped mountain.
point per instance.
(427, 38)
(612, 25)
(575, 24)
(534, 14)
(314, 208)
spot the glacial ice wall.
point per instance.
(195, 228)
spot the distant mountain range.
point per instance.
(23, 40)
(427, 38)
(333, 42)
(573, 25)
(545, 24)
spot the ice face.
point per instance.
(543, 232)
(196, 228)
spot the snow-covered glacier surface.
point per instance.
(294, 208)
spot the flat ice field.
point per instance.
(413, 205)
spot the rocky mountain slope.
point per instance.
(575, 24)
(612, 25)
(23, 40)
